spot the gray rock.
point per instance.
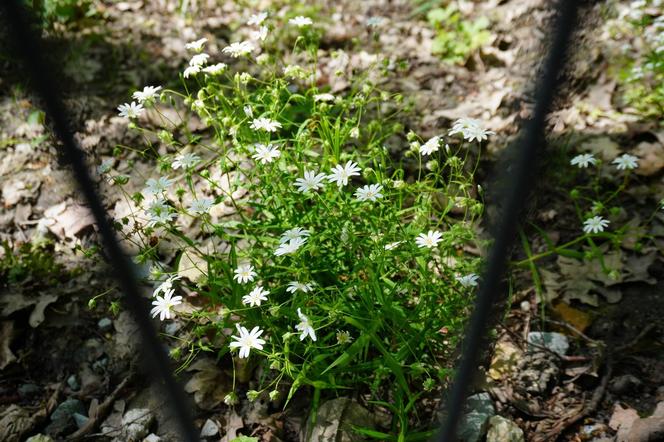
(556, 342)
(80, 420)
(625, 384)
(136, 424)
(67, 409)
(152, 438)
(73, 383)
(27, 390)
(503, 430)
(536, 373)
(474, 424)
(105, 324)
(210, 428)
(335, 419)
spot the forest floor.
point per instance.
(68, 367)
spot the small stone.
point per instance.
(73, 383)
(27, 390)
(503, 430)
(67, 409)
(210, 428)
(136, 424)
(625, 384)
(105, 324)
(554, 342)
(480, 409)
(80, 419)
(152, 438)
(171, 328)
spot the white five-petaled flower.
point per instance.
(155, 187)
(238, 49)
(163, 305)
(595, 224)
(470, 129)
(185, 161)
(130, 110)
(260, 34)
(305, 327)
(430, 146)
(429, 239)
(265, 124)
(324, 97)
(370, 192)
(166, 285)
(626, 161)
(200, 206)
(191, 70)
(584, 160)
(340, 173)
(215, 68)
(247, 340)
(266, 154)
(196, 46)
(255, 297)
(147, 95)
(294, 286)
(291, 234)
(257, 19)
(311, 181)
(244, 273)
(159, 213)
(300, 21)
(199, 59)
(290, 247)
(469, 280)
(392, 245)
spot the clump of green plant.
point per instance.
(641, 65)
(30, 263)
(334, 270)
(62, 11)
(457, 37)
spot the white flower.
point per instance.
(265, 124)
(155, 187)
(305, 327)
(244, 273)
(166, 285)
(238, 49)
(595, 224)
(294, 286)
(340, 174)
(343, 337)
(215, 68)
(300, 21)
(257, 19)
(265, 154)
(199, 59)
(260, 34)
(201, 206)
(470, 129)
(255, 297)
(311, 181)
(323, 97)
(248, 112)
(370, 192)
(392, 245)
(196, 46)
(290, 247)
(191, 70)
(626, 161)
(469, 280)
(185, 160)
(430, 146)
(354, 132)
(247, 340)
(429, 239)
(148, 94)
(294, 72)
(294, 233)
(130, 110)
(163, 305)
(584, 160)
(159, 213)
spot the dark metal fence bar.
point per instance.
(27, 46)
(519, 180)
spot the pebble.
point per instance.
(136, 423)
(210, 428)
(152, 438)
(105, 324)
(625, 384)
(80, 419)
(27, 390)
(72, 381)
(480, 410)
(503, 430)
(556, 342)
(67, 409)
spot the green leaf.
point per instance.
(245, 439)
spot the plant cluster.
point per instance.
(456, 36)
(336, 271)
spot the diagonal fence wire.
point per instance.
(28, 47)
(519, 180)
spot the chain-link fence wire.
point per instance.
(518, 181)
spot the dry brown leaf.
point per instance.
(578, 319)
(192, 266)
(622, 420)
(651, 158)
(209, 384)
